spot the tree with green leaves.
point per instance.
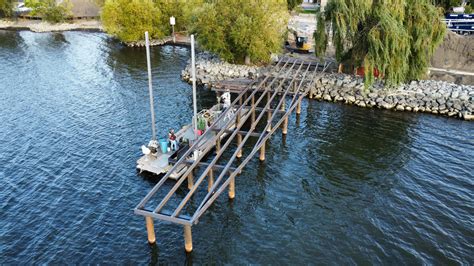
(6, 7)
(49, 10)
(396, 37)
(129, 19)
(292, 4)
(182, 10)
(242, 30)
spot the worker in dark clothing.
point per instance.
(172, 139)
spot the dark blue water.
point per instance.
(347, 185)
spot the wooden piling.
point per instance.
(218, 145)
(232, 188)
(284, 130)
(239, 136)
(239, 141)
(210, 182)
(150, 229)
(188, 239)
(262, 152)
(298, 108)
(269, 114)
(190, 180)
(253, 109)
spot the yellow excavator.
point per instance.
(298, 44)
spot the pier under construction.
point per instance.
(259, 108)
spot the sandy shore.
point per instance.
(40, 26)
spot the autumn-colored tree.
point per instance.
(242, 30)
(129, 19)
(49, 10)
(397, 37)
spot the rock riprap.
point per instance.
(428, 96)
(209, 69)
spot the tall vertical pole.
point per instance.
(150, 87)
(193, 70)
(269, 114)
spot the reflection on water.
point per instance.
(347, 185)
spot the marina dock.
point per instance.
(268, 103)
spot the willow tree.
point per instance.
(129, 19)
(242, 30)
(396, 37)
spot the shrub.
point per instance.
(49, 10)
(129, 19)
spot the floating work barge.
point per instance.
(268, 102)
(158, 160)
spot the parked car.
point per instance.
(21, 8)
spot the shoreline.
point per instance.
(41, 26)
(425, 96)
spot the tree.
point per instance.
(182, 10)
(129, 19)
(6, 8)
(242, 30)
(49, 10)
(293, 3)
(397, 37)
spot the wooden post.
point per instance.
(253, 111)
(188, 239)
(262, 152)
(150, 229)
(341, 66)
(232, 188)
(283, 105)
(190, 180)
(218, 145)
(269, 114)
(298, 108)
(284, 130)
(210, 182)
(239, 141)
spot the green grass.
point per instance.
(308, 12)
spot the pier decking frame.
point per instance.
(298, 78)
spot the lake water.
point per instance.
(347, 185)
